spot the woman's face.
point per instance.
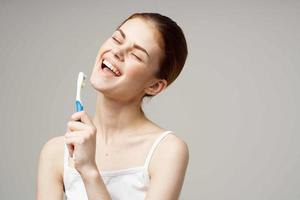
(134, 53)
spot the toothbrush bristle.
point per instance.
(83, 82)
(83, 79)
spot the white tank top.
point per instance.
(131, 183)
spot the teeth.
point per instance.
(110, 66)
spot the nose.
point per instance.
(118, 53)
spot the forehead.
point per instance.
(142, 33)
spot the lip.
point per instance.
(103, 73)
(112, 62)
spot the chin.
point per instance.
(97, 83)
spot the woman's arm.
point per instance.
(81, 142)
(167, 169)
(50, 170)
(94, 185)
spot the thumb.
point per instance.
(70, 146)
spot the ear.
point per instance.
(156, 87)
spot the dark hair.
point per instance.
(173, 42)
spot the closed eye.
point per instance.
(116, 40)
(136, 57)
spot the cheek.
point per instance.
(137, 71)
(138, 78)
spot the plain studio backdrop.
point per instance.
(236, 102)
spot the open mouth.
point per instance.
(106, 66)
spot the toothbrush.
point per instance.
(80, 84)
(79, 106)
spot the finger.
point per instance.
(74, 134)
(83, 117)
(74, 139)
(69, 145)
(76, 115)
(76, 126)
(68, 130)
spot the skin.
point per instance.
(119, 127)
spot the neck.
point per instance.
(114, 117)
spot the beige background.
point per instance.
(236, 102)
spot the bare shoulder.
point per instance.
(50, 170)
(173, 144)
(171, 150)
(54, 147)
(167, 168)
(53, 150)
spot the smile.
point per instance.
(107, 65)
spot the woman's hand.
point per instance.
(81, 141)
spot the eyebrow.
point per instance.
(135, 45)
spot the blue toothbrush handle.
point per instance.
(79, 106)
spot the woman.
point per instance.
(120, 153)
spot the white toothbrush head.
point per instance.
(81, 80)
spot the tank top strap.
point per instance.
(153, 147)
(66, 156)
